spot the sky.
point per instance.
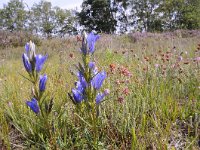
(65, 4)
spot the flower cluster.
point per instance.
(124, 71)
(120, 76)
(33, 64)
(90, 80)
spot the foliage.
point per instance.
(154, 15)
(180, 14)
(40, 19)
(104, 16)
(98, 15)
(13, 16)
(43, 18)
(144, 15)
(65, 22)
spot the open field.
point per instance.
(154, 100)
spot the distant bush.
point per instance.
(137, 36)
(15, 39)
(186, 33)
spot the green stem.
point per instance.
(91, 102)
(94, 119)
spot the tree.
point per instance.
(180, 14)
(13, 15)
(191, 16)
(144, 15)
(98, 15)
(1, 19)
(43, 18)
(65, 21)
(120, 15)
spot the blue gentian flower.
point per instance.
(98, 79)
(33, 104)
(42, 83)
(40, 60)
(91, 39)
(82, 79)
(80, 87)
(79, 91)
(77, 95)
(99, 97)
(27, 63)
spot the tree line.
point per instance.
(41, 19)
(106, 16)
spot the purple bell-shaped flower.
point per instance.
(33, 104)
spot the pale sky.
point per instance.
(65, 4)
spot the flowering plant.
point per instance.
(90, 80)
(86, 93)
(39, 103)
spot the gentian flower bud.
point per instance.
(95, 70)
(82, 79)
(27, 63)
(42, 83)
(91, 65)
(180, 58)
(32, 51)
(27, 48)
(97, 81)
(40, 60)
(106, 92)
(84, 43)
(99, 97)
(91, 39)
(77, 95)
(84, 34)
(33, 104)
